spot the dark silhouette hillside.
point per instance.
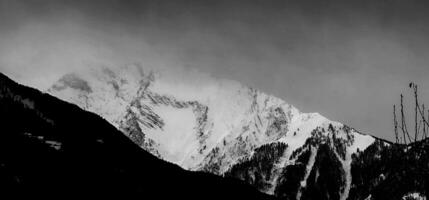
(52, 148)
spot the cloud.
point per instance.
(346, 60)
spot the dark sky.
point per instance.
(348, 60)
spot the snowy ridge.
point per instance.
(205, 125)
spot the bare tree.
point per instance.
(421, 124)
(395, 124)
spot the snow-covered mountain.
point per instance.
(223, 127)
(51, 148)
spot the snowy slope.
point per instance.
(51, 148)
(204, 125)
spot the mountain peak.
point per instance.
(211, 126)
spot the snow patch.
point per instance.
(361, 142)
(414, 196)
(300, 129)
(277, 169)
(177, 137)
(309, 167)
(53, 144)
(346, 164)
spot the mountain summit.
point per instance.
(231, 130)
(216, 127)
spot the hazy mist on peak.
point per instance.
(347, 60)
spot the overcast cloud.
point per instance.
(348, 60)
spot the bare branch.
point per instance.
(404, 123)
(395, 123)
(416, 128)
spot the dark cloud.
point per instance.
(348, 60)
